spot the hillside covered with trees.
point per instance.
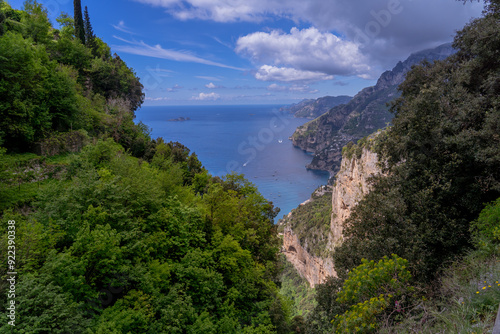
(116, 232)
(421, 250)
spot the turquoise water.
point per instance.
(252, 140)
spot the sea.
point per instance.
(249, 139)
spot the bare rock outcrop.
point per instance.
(350, 187)
(352, 183)
(314, 269)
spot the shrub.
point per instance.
(486, 229)
(370, 289)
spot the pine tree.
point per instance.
(89, 32)
(79, 28)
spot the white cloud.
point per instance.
(213, 86)
(206, 97)
(215, 10)
(143, 49)
(287, 74)
(123, 28)
(306, 50)
(394, 28)
(276, 88)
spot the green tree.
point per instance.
(370, 290)
(2, 19)
(486, 229)
(35, 23)
(46, 308)
(89, 33)
(79, 25)
(22, 67)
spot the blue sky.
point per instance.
(190, 52)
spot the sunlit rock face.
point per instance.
(352, 183)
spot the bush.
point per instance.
(486, 229)
(370, 290)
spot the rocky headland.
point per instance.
(367, 112)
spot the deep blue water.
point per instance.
(252, 140)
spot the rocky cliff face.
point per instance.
(306, 245)
(313, 268)
(364, 114)
(352, 183)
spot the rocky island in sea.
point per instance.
(179, 119)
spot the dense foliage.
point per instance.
(50, 82)
(442, 164)
(125, 234)
(443, 159)
(133, 235)
(121, 246)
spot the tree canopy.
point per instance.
(52, 82)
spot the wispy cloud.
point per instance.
(157, 99)
(159, 72)
(227, 45)
(208, 78)
(123, 28)
(143, 49)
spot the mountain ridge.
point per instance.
(364, 114)
(312, 108)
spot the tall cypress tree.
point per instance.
(79, 28)
(89, 32)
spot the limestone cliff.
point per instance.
(308, 238)
(314, 269)
(352, 183)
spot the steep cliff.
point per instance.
(308, 237)
(305, 233)
(315, 108)
(365, 113)
(359, 164)
(314, 269)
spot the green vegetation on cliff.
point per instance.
(443, 159)
(116, 232)
(310, 221)
(437, 208)
(51, 83)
